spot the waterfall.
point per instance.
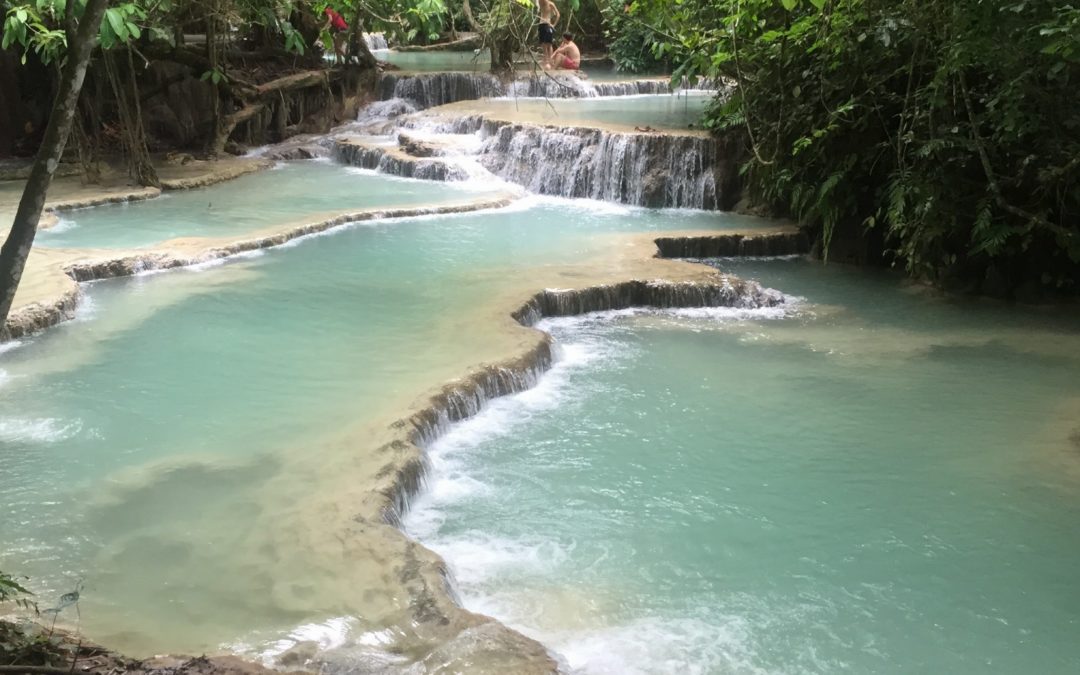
(375, 41)
(427, 90)
(394, 162)
(656, 170)
(631, 88)
(466, 397)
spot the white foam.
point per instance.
(63, 224)
(329, 634)
(86, 308)
(476, 558)
(37, 430)
(10, 346)
(687, 646)
(492, 572)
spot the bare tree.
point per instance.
(81, 38)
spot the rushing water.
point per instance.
(166, 446)
(877, 482)
(294, 191)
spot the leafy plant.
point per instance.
(903, 121)
(13, 591)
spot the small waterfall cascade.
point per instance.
(396, 162)
(428, 90)
(655, 170)
(375, 41)
(467, 397)
(726, 291)
(677, 170)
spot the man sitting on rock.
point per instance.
(567, 56)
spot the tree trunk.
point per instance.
(467, 11)
(357, 46)
(16, 249)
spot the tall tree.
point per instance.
(82, 35)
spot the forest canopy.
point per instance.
(946, 135)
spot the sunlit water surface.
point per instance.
(292, 191)
(149, 446)
(874, 481)
(659, 111)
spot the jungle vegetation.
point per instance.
(943, 137)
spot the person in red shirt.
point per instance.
(336, 23)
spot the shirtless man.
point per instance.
(567, 56)
(549, 16)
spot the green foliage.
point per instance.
(406, 21)
(632, 44)
(13, 591)
(953, 129)
(119, 26)
(34, 27)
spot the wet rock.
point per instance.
(297, 152)
(654, 187)
(734, 245)
(299, 655)
(489, 649)
(416, 147)
(396, 163)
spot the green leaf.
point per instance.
(789, 4)
(116, 22)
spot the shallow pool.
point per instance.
(873, 481)
(182, 446)
(677, 111)
(291, 192)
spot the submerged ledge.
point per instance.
(52, 275)
(782, 242)
(173, 177)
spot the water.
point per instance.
(294, 191)
(877, 482)
(190, 445)
(663, 111)
(434, 62)
(478, 62)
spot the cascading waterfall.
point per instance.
(375, 41)
(662, 170)
(397, 163)
(427, 90)
(466, 398)
(655, 170)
